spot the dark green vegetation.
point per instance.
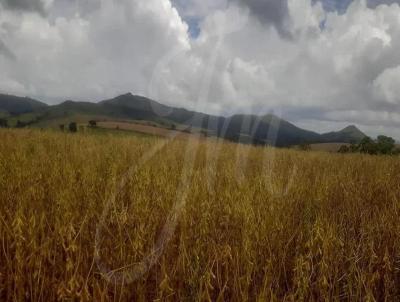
(261, 130)
(73, 127)
(3, 123)
(382, 145)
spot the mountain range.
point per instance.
(256, 129)
(16, 105)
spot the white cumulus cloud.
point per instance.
(321, 69)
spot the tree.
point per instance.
(305, 147)
(382, 145)
(353, 148)
(3, 123)
(367, 145)
(396, 151)
(92, 123)
(73, 127)
(20, 124)
(344, 149)
(385, 144)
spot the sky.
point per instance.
(321, 64)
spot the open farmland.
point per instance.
(147, 129)
(328, 147)
(101, 217)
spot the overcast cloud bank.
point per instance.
(320, 68)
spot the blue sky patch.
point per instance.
(194, 26)
(335, 5)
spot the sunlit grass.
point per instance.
(257, 223)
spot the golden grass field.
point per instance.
(245, 223)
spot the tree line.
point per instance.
(382, 145)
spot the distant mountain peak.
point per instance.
(350, 128)
(270, 116)
(128, 94)
(354, 131)
(350, 134)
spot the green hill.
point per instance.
(14, 105)
(268, 129)
(350, 134)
